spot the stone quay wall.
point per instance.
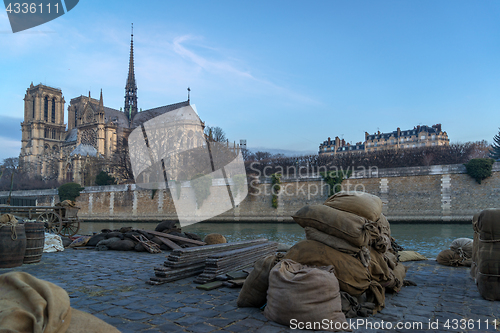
(443, 193)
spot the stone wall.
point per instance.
(418, 194)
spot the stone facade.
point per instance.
(418, 194)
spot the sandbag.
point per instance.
(488, 254)
(462, 246)
(475, 246)
(304, 294)
(489, 224)
(80, 241)
(8, 219)
(382, 241)
(114, 234)
(254, 290)
(116, 244)
(363, 204)
(347, 226)
(363, 253)
(353, 277)
(96, 239)
(52, 243)
(212, 239)
(410, 256)
(379, 269)
(28, 304)
(450, 258)
(488, 286)
(399, 274)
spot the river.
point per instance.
(427, 239)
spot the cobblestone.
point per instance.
(111, 285)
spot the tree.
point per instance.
(120, 163)
(216, 133)
(69, 191)
(495, 148)
(479, 168)
(104, 179)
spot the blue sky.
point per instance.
(281, 74)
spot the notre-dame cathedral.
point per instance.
(87, 146)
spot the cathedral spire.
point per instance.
(131, 87)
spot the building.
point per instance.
(87, 145)
(419, 136)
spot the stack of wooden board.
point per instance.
(222, 263)
(183, 263)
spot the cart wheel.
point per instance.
(69, 228)
(51, 221)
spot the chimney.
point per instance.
(399, 131)
(329, 141)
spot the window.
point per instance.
(375, 144)
(46, 108)
(422, 137)
(53, 118)
(433, 143)
(413, 146)
(433, 137)
(33, 107)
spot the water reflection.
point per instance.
(427, 239)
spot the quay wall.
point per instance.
(443, 193)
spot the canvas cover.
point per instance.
(410, 256)
(475, 246)
(350, 227)
(303, 293)
(352, 276)
(363, 204)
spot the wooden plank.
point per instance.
(210, 286)
(169, 243)
(177, 238)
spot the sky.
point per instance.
(281, 74)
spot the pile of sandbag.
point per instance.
(459, 254)
(487, 254)
(125, 239)
(349, 233)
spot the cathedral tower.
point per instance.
(131, 88)
(43, 128)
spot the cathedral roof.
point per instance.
(84, 150)
(116, 116)
(72, 135)
(146, 115)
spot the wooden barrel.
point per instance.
(12, 250)
(35, 240)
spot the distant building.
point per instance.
(419, 136)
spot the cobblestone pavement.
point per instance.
(111, 285)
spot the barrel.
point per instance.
(35, 240)
(12, 250)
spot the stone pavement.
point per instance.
(111, 285)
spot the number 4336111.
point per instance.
(31, 8)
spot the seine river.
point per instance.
(427, 239)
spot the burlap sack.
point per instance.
(254, 290)
(363, 204)
(462, 246)
(410, 256)
(487, 258)
(450, 258)
(211, 239)
(353, 277)
(28, 304)
(8, 219)
(379, 269)
(363, 253)
(305, 294)
(347, 226)
(400, 274)
(475, 246)
(382, 241)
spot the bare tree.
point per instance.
(215, 133)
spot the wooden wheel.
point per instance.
(69, 228)
(51, 221)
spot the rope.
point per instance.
(12, 225)
(493, 275)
